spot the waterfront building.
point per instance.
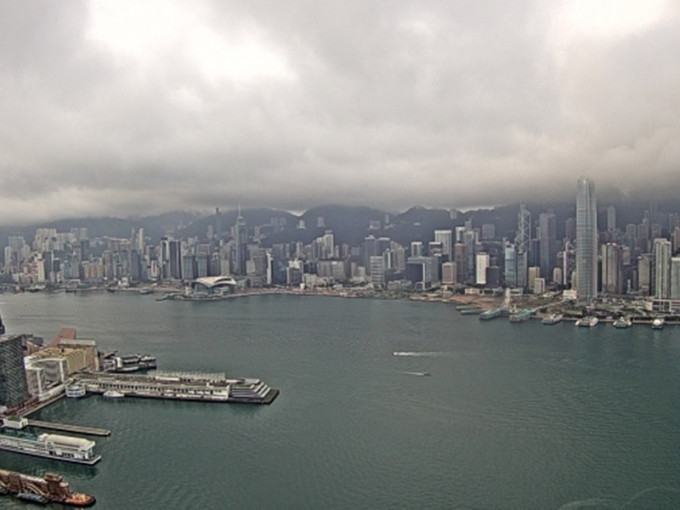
(675, 278)
(644, 275)
(586, 240)
(13, 386)
(547, 242)
(661, 268)
(377, 271)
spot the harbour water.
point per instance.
(511, 416)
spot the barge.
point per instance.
(50, 488)
(51, 446)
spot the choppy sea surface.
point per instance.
(383, 404)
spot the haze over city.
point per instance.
(123, 108)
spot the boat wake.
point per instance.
(611, 503)
(423, 354)
(418, 374)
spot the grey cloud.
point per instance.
(388, 104)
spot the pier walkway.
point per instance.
(64, 427)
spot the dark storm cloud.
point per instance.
(138, 107)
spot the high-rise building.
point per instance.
(611, 218)
(445, 237)
(661, 268)
(240, 245)
(675, 278)
(481, 264)
(547, 243)
(612, 280)
(586, 240)
(13, 386)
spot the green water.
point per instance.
(511, 416)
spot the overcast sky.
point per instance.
(123, 107)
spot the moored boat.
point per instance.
(587, 322)
(658, 323)
(622, 323)
(490, 314)
(113, 394)
(521, 316)
(50, 488)
(551, 319)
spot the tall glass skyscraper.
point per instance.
(586, 240)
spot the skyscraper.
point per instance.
(661, 269)
(240, 245)
(586, 240)
(547, 243)
(13, 386)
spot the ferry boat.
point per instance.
(622, 323)
(113, 394)
(490, 314)
(658, 323)
(551, 319)
(521, 316)
(75, 390)
(51, 446)
(50, 488)
(587, 322)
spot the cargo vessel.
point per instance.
(50, 488)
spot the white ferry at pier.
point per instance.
(51, 446)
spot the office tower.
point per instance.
(445, 237)
(470, 241)
(675, 278)
(611, 218)
(488, 231)
(547, 243)
(218, 223)
(510, 263)
(416, 249)
(482, 263)
(523, 237)
(586, 240)
(611, 269)
(240, 245)
(2, 327)
(370, 249)
(460, 258)
(449, 273)
(13, 386)
(644, 275)
(377, 271)
(661, 269)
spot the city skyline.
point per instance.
(147, 107)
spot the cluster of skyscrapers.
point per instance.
(543, 252)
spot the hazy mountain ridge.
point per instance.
(350, 224)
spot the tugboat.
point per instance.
(51, 488)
